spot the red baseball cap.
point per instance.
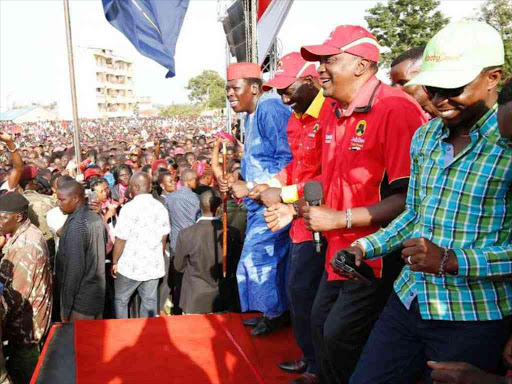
(290, 68)
(243, 71)
(351, 39)
(91, 172)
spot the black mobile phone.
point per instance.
(346, 261)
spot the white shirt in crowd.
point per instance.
(142, 223)
(55, 219)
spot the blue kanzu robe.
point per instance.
(261, 271)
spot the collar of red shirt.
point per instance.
(364, 98)
(314, 108)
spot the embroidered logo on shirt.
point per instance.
(356, 144)
(316, 127)
(328, 139)
(361, 128)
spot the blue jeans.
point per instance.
(147, 290)
(402, 342)
(305, 271)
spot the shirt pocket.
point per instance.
(360, 167)
(311, 155)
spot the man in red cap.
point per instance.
(296, 81)
(365, 169)
(261, 270)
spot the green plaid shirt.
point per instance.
(464, 205)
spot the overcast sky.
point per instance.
(33, 42)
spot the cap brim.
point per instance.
(313, 52)
(445, 79)
(279, 82)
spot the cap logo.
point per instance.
(439, 58)
(280, 64)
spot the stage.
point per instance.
(198, 349)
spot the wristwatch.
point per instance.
(250, 185)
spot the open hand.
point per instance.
(278, 216)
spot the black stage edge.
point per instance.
(57, 362)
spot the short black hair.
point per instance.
(97, 182)
(162, 175)
(505, 96)
(117, 170)
(254, 80)
(414, 54)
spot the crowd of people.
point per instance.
(374, 219)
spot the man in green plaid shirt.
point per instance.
(451, 301)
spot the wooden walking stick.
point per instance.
(224, 214)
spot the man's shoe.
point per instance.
(267, 325)
(294, 366)
(252, 322)
(307, 378)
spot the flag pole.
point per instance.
(224, 213)
(76, 123)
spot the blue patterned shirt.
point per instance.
(464, 204)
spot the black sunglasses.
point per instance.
(443, 92)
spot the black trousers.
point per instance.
(343, 315)
(305, 271)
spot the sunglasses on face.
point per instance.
(447, 93)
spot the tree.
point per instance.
(404, 24)
(207, 90)
(498, 13)
(180, 110)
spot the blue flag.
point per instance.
(152, 26)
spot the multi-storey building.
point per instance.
(104, 83)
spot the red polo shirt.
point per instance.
(305, 136)
(365, 156)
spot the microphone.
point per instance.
(313, 194)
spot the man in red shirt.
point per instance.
(296, 81)
(365, 169)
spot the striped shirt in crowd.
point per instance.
(183, 207)
(462, 203)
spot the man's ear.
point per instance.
(493, 78)
(255, 89)
(362, 66)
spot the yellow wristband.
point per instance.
(289, 194)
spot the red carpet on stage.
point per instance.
(202, 349)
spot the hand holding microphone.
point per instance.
(319, 218)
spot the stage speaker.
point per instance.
(234, 28)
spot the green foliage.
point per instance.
(207, 90)
(404, 24)
(498, 13)
(180, 110)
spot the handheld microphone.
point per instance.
(313, 194)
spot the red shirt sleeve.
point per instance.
(396, 138)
